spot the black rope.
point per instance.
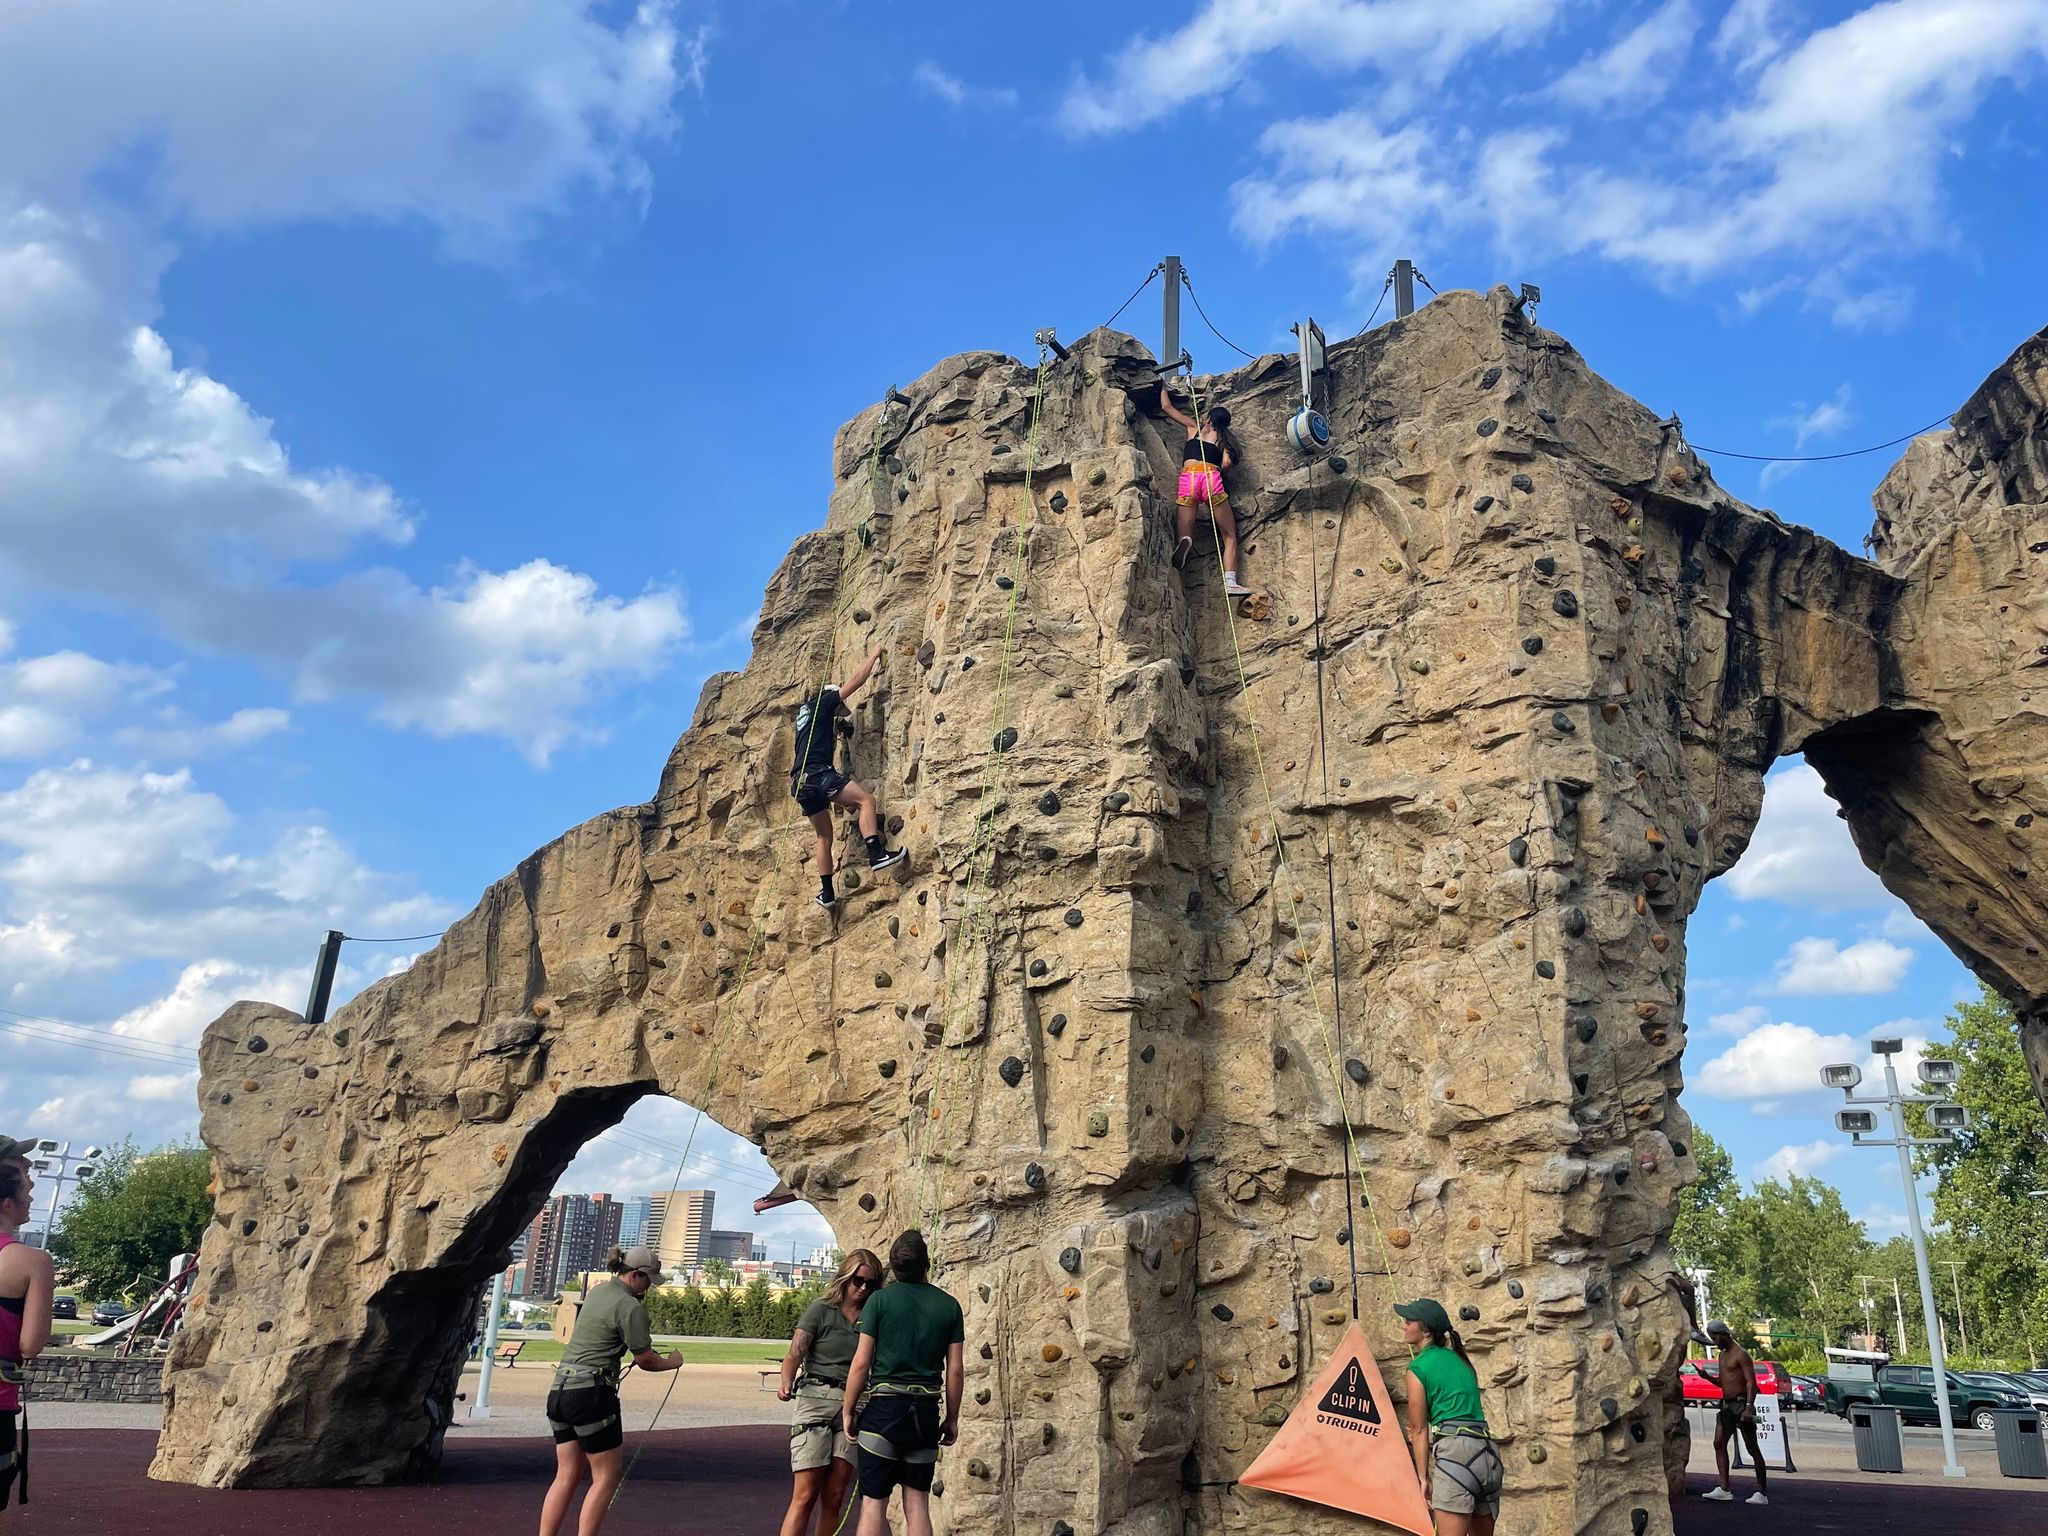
(1818, 458)
(1385, 288)
(1425, 281)
(410, 938)
(1127, 303)
(1240, 351)
(1315, 571)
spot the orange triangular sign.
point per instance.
(1343, 1445)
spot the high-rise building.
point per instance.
(733, 1246)
(677, 1224)
(571, 1236)
(634, 1219)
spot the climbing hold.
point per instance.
(1653, 837)
(1692, 835)
(1070, 1260)
(867, 1202)
(1320, 1286)
(1579, 1082)
(1488, 427)
(1117, 800)
(1574, 921)
(1646, 1011)
(1678, 1149)
(1400, 1237)
(1338, 463)
(1073, 917)
(1563, 722)
(982, 1395)
(341, 1035)
(709, 931)
(976, 1467)
(1482, 504)
(258, 1044)
(1060, 1527)
(1147, 1054)
(882, 979)
(1548, 417)
(1489, 378)
(1034, 1176)
(1522, 483)
(1056, 1025)
(1659, 942)
(1051, 1352)
(1058, 501)
(1639, 1520)
(1609, 711)
(1587, 1027)
(1039, 967)
(888, 1068)
(310, 1072)
(1344, 1235)
(1546, 565)
(248, 1085)
(1006, 738)
(1537, 1454)
(1417, 665)
(1518, 850)
(1515, 1289)
(1468, 1313)
(1098, 1124)
(1565, 603)
(1546, 969)
(1049, 802)
(1472, 1015)
(1390, 565)
(1596, 1293)
(895, 925)
(1012, 1070)
(248, 1227)
(1005, 583)
(1609, 1408)
(1357, 1071)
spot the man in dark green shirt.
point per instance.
(912, 1349)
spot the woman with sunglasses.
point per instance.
(822, 1349)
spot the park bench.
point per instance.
(507, 1352)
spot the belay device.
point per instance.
(1306, 428)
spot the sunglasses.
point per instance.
(867, 1282)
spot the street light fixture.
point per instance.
(1947, 1119)
(60, 1160)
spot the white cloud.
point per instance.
(1635, 72)
(1815, 966)
(1818, 424)
(1216, 50)
(163, 1087)
(955, 92)
(1840, 140)
(1774, 1059)
(1882, 1223)
(1748, 37)
(201, 524)
(1802, 1161)
(475, 115)
(1801, 852)
(45, 701)
(1740, 1022)
(173, 736)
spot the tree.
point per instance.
(128, 1220)
(1994, 1230)
(719, 1271)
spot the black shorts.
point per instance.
(588, 1415)
(13, 1456)
(814, 791)
(1730, 1421)
(899, 1443)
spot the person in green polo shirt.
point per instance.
(823, 1347)
(912, 1348)
(1455, 1456)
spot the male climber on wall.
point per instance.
(818, 785)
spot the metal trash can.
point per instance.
(1878, 1446)
(2021, 1451)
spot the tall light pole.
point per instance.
(1948, 1119)
(57, 1157)
(1955, 1275)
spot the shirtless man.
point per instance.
(1737, 1412)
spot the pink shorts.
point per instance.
(1201, 484)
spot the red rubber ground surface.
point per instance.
(714, 1482)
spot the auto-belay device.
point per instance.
(1306, 428)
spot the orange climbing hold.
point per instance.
(1343, 1447)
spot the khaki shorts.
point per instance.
(1464, 1475)
(815, 1436)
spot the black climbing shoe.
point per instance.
(885, 858)
(1181, 551)
(825, 901)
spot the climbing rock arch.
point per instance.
(1075, 1036)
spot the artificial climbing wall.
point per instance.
(1250, 962)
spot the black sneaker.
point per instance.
(827, 902)
(1181, 551)
(885, 858)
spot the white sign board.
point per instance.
(1770, 1431)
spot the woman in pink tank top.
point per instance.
(27, 1281)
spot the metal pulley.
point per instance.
(1307, 430)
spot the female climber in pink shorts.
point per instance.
(1204, 460)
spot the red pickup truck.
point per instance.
(1701, 1380)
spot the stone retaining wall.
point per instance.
(76, 1376)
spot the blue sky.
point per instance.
(403, 406)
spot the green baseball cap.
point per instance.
(10, 1148)
(1430, 1314)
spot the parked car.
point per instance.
(1804, 1392)
(64, 1306)
(1700, 1380)
(107, 1313)
(2037, 1395)
(1910, 1389)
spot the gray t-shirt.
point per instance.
(611, 1323)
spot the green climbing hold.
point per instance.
(1097, 475)
(1273, 1415)
(1417, 665)
(1468, 1313)
(883, 979)
(1338, 463)
(1546, 969)
(1098, 1124)
(1320, 1286)
(1515, 1289)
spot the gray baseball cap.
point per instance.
(644, 1259)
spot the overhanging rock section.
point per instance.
(1089, 1037)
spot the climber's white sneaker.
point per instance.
(1721, 1494)
(1181, 551)
(1756, 1498)
(1232, 587)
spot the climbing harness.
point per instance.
(981, 855)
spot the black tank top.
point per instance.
(1200, 448)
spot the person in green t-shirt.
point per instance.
(912, 1348)
(1455, 1456)
(820, 1451)
(583, 1400)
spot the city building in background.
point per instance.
(679, 1222)
(570, 1237)
(735, 1246)
(637, 1217)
